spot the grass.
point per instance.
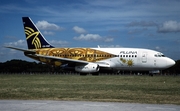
(136, 89)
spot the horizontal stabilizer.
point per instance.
(19, 49)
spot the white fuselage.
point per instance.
(136, 59)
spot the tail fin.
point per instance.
(35, 39)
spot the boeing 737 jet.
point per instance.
(91, 60)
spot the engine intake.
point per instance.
(87, 68)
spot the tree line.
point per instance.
(21, 66)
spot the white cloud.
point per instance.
(157, 48)
(48, 33)
(93, 37)
(161, 49)
(19, 43)
(44, 25)
(169, 26)
(108, 39)
(59, 43)
(79, 30)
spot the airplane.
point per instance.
(91, 60)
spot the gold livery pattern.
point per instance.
(84, 54)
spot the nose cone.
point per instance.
(170, 62)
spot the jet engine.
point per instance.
(87, 68)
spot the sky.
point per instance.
(151, 24)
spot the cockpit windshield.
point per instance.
(159, 55)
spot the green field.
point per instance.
(136, 89)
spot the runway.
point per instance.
(48, 105)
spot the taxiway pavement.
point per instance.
(48, 105)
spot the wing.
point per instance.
(63, 60)
(67, 60)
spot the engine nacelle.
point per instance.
(88, 68)
(155, 71)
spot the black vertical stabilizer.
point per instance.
(35, 39)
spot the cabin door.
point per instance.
(144, 57)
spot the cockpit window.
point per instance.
(159, 55)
